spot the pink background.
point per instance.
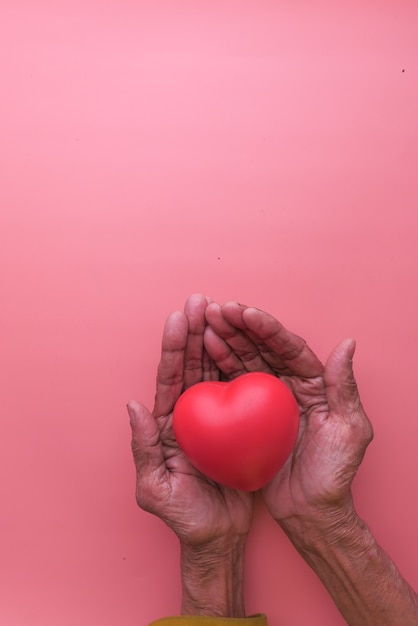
(261, 151)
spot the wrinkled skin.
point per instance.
(334, 431)
(198, 510)
(212, 342)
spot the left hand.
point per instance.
(198, 510)
(314, 485)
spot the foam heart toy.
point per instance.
(238, 433)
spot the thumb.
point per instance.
(146, 444)
(341, 387)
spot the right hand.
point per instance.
(199, 511)
(315, 483)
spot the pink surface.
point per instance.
(261, 151)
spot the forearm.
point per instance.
(212, 578)
(360, 577)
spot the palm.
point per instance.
(309, 475)
(322, 466)
(196, 505)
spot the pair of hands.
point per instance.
(211, 342)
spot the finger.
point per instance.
(210, 371)
(225, 358)
(170, 376)
(233, 312)
(146, 445)
(341, 387)
(340, 384)
(222, 355)
(240, 344)
(215, 317)
(285, 352)
(193, 358)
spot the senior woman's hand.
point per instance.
(211, 521)
(315, 483)
(311, 496)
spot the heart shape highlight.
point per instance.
(238, 433)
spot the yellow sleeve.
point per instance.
(203, 620)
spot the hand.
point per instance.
(211, 521)
(311, 495)
(315, 483)
(168, 486)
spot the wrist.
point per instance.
(212, 577)
(328, 529)
(360, 577)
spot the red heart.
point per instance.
(239, 433)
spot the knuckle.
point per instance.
(249, 355)
(135, 449)
(142, 458)
(193, 364)
(291, 351)
(351, 389)
(139, 454)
